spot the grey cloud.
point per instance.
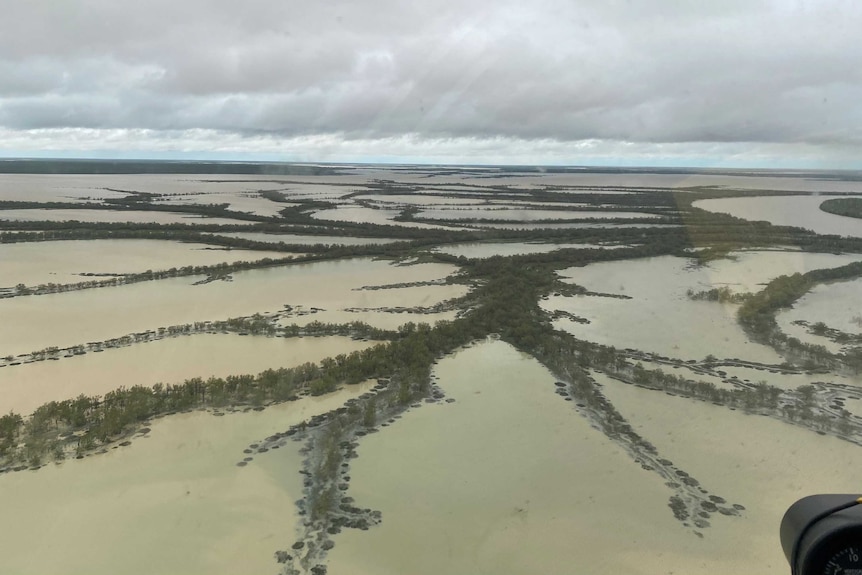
(650, 71)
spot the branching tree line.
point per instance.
(504, 301)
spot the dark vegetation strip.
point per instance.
(89, 423)
(757, 317)
(506, 295)
(256, 325)
(115, 205)
(657, 242)
(850, 207)
(213, 272)
(840, 337)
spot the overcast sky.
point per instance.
(639, 82)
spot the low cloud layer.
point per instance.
(645, 78)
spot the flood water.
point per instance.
(246, 200)
(64, 261)
(799, 211)
(750, 271)
(758, 462)
(838, 305)
(133, 216)
(482, 485)
(53, 188)
(360, 214)
(173, 502)
(659, 318)
(507, 479)
(35, 322)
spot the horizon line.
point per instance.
(385, 163)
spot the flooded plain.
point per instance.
(838, 305)
(799, 211)
(25, 387)
(661, 318)
(750, 271)
(172, 502)
(360, 214)
(54, 188)
(66, 261)
(658, 317)
(507, 508)
(32, 323)
(762, 463)
(478, 485)
(482, 485)
(247, 200)
(116, 216)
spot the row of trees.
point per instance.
(93, 421)
(757, 314)
(721, 294)
(215, 270)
